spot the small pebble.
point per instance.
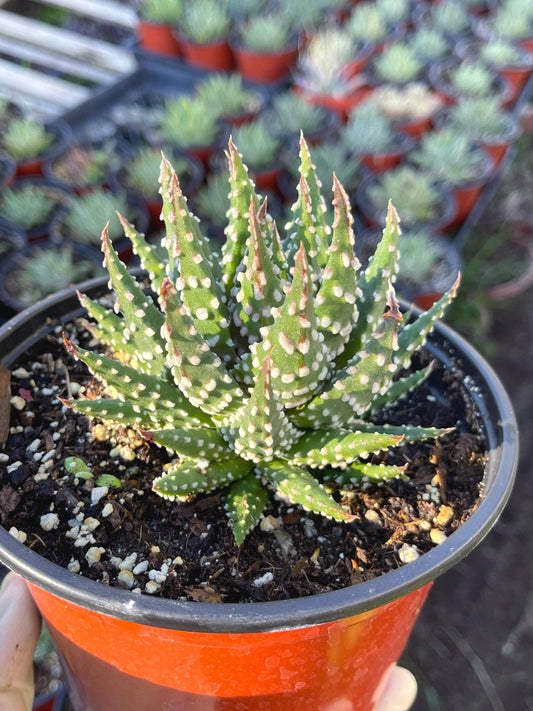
(98, 493)
(126, 576)
(268, 523)
(74, 566)
(99, 433)
(19, 535)
(437, 536)
(107, 510)
(444, 516)
(141, 567)
(424, 526)
(94, 554)
(129, 561)
(157, 576)
(20, 373)
(408, 553)
(4, 458)
(372, 516)
(49, 521)
(263, 580)
(18, 402)
(152, 587)
(91, 524)
(34, 446)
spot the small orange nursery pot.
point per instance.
(122, 650)
(158, 37)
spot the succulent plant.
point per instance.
(205, 21)
(367, 130)
(419, 198)
(161, 11)
(424, 260)
(450, 156)
(472, 79)
(29, 205)
(327, 154)
(366, 24)
(227, 95)
(82, 166)
(393, 11)
(83, 219)
(212, 201)
(414, 100)
(323, 62)
(260, 370)
(306, 16)
(48, 269)
(501, 53)
(480, 118)
(188, 122)
(142, 171)
(259, 147)
(510, 24)
(449, 17)
(25, 138)
(429, 44)
(398, 64)
(265, 34)
(291, 113)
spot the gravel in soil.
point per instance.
(129, 537)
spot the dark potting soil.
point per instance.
(129, 537)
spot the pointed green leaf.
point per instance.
(260, 430)
(409, 433)
(297, 350)
(245, 502)
(414, 334)
(242, 191)
(298, 486)
(197, 370)
(192, 477)
(109, 328)
(154, 259)
(197, 443)
(400, 388)
(194, 267)
(337, 448)
(117, 411)
(359, 473)
(336, 299)
(143, 319)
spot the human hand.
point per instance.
(397, 691)
(20, 627)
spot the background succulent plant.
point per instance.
(189, 122)
(29, 205)
(85, 213)
(205, 21)
(227, 95)
(266, 33)
(162, 11)
(26, 138)
(261, 368)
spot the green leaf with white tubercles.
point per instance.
(400, 388)
(410, 433)
(245, 503)
(336, 299)
(143, 390)
(338, 448)
(194, 271)
(260, 430)
(116, 410)
(109, 327)
(197, 443)
(198, 371)
(192, 477)
(361, 472)
(296, 348)
(242, 191)
(367, 375)
(414, 334)
(153, 257)
(258, 285)
(143, 320)
(296, 485)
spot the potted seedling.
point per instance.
(429, 44)
(265, 48)
(397, 64)
(508, 22)
(261, 153)
(410, 108)
(156, 18)
(290, 113)
(140, 171)
(83, 165)
(29, 143)
(77, 222)
(366, 25)
(327, 71)
(190, 125)
(395, 13)
(453, 79)
(449, 18)
(368, 134)
(484, 122)
(31, 204)
(260, 368)
(227, 96)
(29, 275)
(203, 35)
(451, 157)
(424, 203)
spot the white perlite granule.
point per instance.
(49, 521)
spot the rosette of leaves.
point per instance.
(161, 11)
(368, 130)
(189, 122)
(450, 156)
(512, 22)
(414, 100)
(323, 62)
(501, 53)
(25, 138)
(257, 144)
(394, 11)
(259, 367)
(141, 173)
(481, 119)
(29, 205)
(415, 192)
(265, 34)
(429, 44)
(398, 64)
(227, 95)
(472, 79)
(205, 21)
(290, 113)
(450, 18)
(366, 24)
(85, 213)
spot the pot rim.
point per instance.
(501, 429)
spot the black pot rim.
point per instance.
(499, 420)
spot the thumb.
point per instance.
(20, 627)
(398, 690)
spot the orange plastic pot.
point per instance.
(122, 650)
(158, 38)
(264, 68)
(216, 56)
